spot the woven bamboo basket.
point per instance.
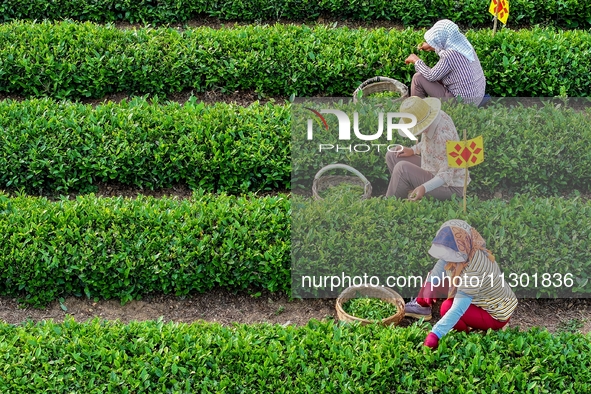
(322, 182)
(383, 293)
(381, 84)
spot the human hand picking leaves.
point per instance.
(417, 194)
(412, 58)
(431, 341)
(425, 47)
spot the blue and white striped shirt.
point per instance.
(461, 77)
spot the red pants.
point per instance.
(474, 317)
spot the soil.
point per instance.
(246, 98)
(183, 191)
(242, 98)
(324, 20)
(223, 307)
(180, 191)
(115, 189)
(328, 21)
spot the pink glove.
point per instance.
(431, 341)
(426, 297)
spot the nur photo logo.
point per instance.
(344, 128)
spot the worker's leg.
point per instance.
(392, 160)
(435, 288)
(475, 317)
(407, 176)
(430, 292)
(421, 87)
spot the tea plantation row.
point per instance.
(533, 239)
(52, 146)
(321, 357)
(121, 248)
(73, 60)
(566, 13)
(49, 146)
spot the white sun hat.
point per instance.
(425, 110)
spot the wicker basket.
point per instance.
(383, 293)
(320, 183)
(381, 84)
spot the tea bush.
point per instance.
(76, 60)
(565, 14)
(323, 357)
(530, 238)
(544, 150)
(49, 146)
(122, 248)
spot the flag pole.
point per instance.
(496, 19)
(465, 173)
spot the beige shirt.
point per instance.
(432, 150)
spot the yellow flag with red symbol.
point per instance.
(464, 154)
(502, 8)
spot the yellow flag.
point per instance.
(463, 154)
(502, 7)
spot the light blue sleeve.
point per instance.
(438, 272)
(460, 305)
(433, 184)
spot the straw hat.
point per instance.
(425, 110)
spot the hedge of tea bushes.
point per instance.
(326, 357)
(543, 148)
(565, 14)
(528, 236)
(48, 146)
(74, 60)
(62, 146)
(119, 248)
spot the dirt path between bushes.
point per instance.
(226, 308)
(183, 191)
(328, 21)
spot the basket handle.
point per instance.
(367, 184)
(370, 81)
(402, 88)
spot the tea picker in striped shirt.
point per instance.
(457, 74)
(480, 301)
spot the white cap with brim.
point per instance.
(425, 110)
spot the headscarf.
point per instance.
(463, 240)
(445, 35)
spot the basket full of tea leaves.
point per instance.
(368, 304)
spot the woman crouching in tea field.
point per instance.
(468, 275)
(458, 72)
